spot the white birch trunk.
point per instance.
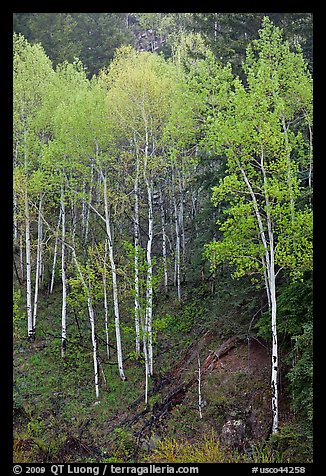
(266, 284)
(149, 279)
(274, 376)
(83, 212)
(177, 244)
(164, 243)
(74, 220)
(172, 240)
(181, 221)
(38, 262)
(149, 282)
(272, 295)
(42, 261)
(30, 328)
(55, 251)
(94, 344)
(63, 277)
(200, 402)
(270, 288)
(114, 284)
(89, 201)
(15, 220)
(145, 352)
(21, 256)
(136, 262)
(106, 302)
(310, 159)
(92, 323)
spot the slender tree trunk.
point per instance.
(164, 244)
(30, 328)
(272, 294)
(94, 344)
(136, 262)
(15, 202)
(177, 245)
(171, 228)
(274, 377)
(310, 159)
(38, 262)
(181, 223)
(55, 251)
(266, 284)
(270, 288)
(149, 282)
(92, 323)
(83, 212)
(89, 201)
(21, 256)
(15, 220)
(200, 401)
(146, 360)
(106, 302)
(215, 27)
(114, 283)
(74, 220)
(63, 277)
(42, 260)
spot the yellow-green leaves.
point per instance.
(257, 134)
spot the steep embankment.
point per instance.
(234, 389)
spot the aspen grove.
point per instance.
(153, 171)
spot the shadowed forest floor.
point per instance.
(57, 419)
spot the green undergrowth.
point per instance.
(211, 450)
(56, 415)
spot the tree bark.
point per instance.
(270, 281)
(89, 201)
(149, 281)
(181, 223)
(136, 261)
(92, 323)
(177, 244)
(55, 251)
(106, 302)
(15, 220)
(164, 244)
(63, 277)
(21, 257)
(114, 283)
(30, 328)
(38, 262)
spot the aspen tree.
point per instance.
(139, 100)
(105, 301)
(136, 261)
(261, 234)
(63, 276)
(114, 279)
(164, 240)
(55, 251)
(32, 74)
(38, 261)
